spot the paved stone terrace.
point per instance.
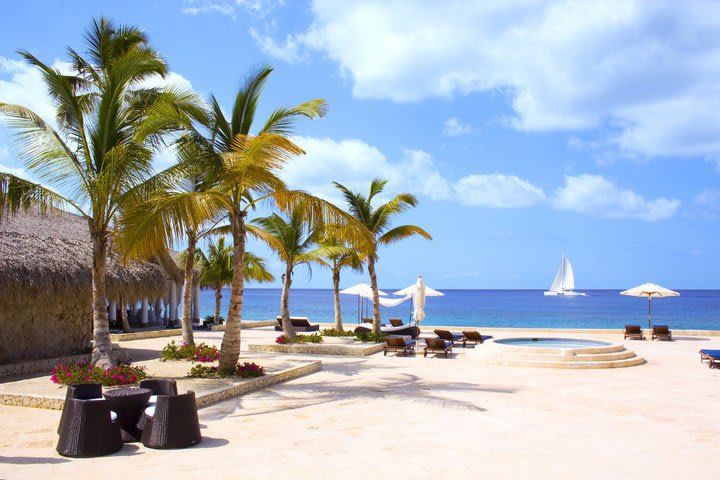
(428, 418)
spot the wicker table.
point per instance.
(129, 404)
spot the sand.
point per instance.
(383, 417)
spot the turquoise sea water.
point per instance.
(693, 309)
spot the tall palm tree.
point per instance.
(102, 148)
(377, 222)
(293, 241)
(336, 255)
(216, 269)
(246, 169)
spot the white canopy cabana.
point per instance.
(362, 290)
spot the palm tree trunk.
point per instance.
(218, 299)
(285, 304)
(186, 321)
(336, 299)
(230, 348)
(376, 297)
(124, 320)
(102, 347)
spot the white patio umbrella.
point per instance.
(650, 290)
(414, 290)
(362, 290)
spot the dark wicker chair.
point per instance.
(438, 345)
(661, 332)
(172, 422)
(449, 336)
(81, 391)
(87, 429)
(474, 337)
(160, 386)
(633, 332)
(399, 344)
(395, 322)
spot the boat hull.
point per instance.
(563, 294)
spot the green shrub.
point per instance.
(332, 332)
(370, 337)
(314, 338)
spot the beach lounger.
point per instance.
(299, 324)
(474, 337)
(438, 345)
(399, 344)
(395, 322)
(661, 332)
(633, 332)
(712, 357)
(449, 336)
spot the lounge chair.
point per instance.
(712, 357)
(172, 422)
(395, 322)
(449, 336)
(661, 332)
(438, 345)
(633, 332)
(299, 324)
(399, 344)
(474, 337)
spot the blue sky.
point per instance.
(526, 129)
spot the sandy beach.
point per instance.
(426, 418)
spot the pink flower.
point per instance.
(68, 375)
(54, 379)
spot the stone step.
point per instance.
(570, 356)
(632, 361)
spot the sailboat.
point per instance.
(564, 283)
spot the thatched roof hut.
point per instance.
(43, 257)
(46, 285)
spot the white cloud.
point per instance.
(709, 201)
(598, 196)
(649, 71)
(230, 7)
(289, 51)
(498, 191)
(453, 127)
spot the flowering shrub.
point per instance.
(314, 338)
(201, 352)
(84, 372)
(248, 370)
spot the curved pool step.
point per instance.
(614, 358)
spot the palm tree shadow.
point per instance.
(31, 460)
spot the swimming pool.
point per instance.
(552, 342)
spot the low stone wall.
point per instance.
(204, 398)
(358, 350)
(165, 332)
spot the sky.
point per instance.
(527, 129)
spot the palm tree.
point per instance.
(107, 128)
(336, 255)
(292, 240)
(377, 223)
(216, 269)
(246, 169)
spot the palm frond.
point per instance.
(402, 232)
(246, 100)
(281, 120)
(19, 194)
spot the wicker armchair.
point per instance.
(82, 391)
(160, 386)
(172, 422)
(87, 429)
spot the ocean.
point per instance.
(693, 309)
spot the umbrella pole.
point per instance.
(649, 313)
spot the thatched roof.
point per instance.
(45, 256)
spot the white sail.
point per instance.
(564, 282)
(568, 281)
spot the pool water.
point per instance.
(552, 342)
